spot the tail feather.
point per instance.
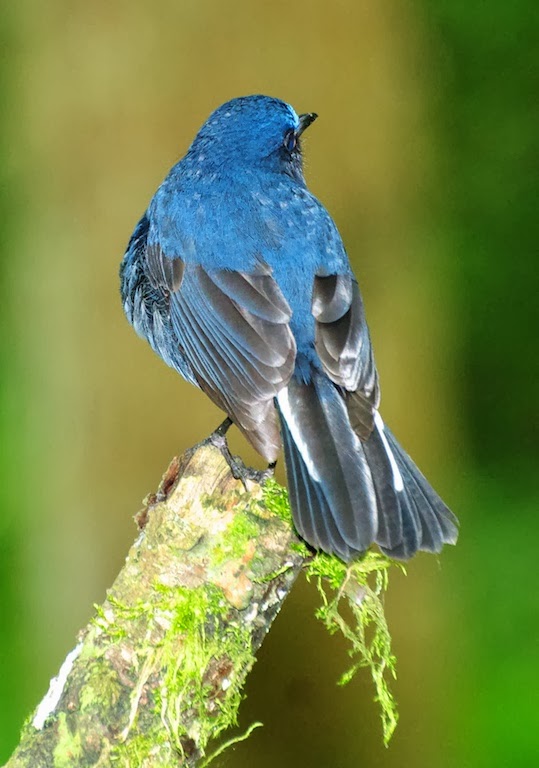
(299, 489)
(327, 469)
(429, 528)
(347, 493)
(439, 524)
(312, 515)
(390, 525)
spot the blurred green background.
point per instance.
(426, 155)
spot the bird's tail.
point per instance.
(346, 493)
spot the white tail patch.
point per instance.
(291, 423)
(397, 477)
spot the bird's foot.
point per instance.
(248, 474)
(259, 476)
(237, 467)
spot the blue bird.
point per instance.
(238, 278)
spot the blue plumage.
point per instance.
(238, 278)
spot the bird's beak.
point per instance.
(305, 121)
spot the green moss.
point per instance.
(275, 500)
(211, 642)
(101, 689)
(204, 651)
(101, 622)
(68, 749)
(139, 749)
(230, 743)
(267, 577)
(115, 618)
(235, 539)
(360, 585)
(201, 650)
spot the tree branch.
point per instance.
(158, 673)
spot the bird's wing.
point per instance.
(233, 328)
(344, 347)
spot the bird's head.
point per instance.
(253, 131)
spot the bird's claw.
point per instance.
(237, 467)
(258, 476)
(248, 474)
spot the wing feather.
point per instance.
(344, 347)
(258, 294)
(234, 330)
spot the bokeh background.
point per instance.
(426, 154)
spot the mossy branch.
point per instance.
(159, 672)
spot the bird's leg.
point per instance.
(237, 467)
(218, 439)
(223, 428)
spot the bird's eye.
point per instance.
(290, 140)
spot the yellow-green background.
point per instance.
(424, 153)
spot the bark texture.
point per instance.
(158, 673)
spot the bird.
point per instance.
(239, 280)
